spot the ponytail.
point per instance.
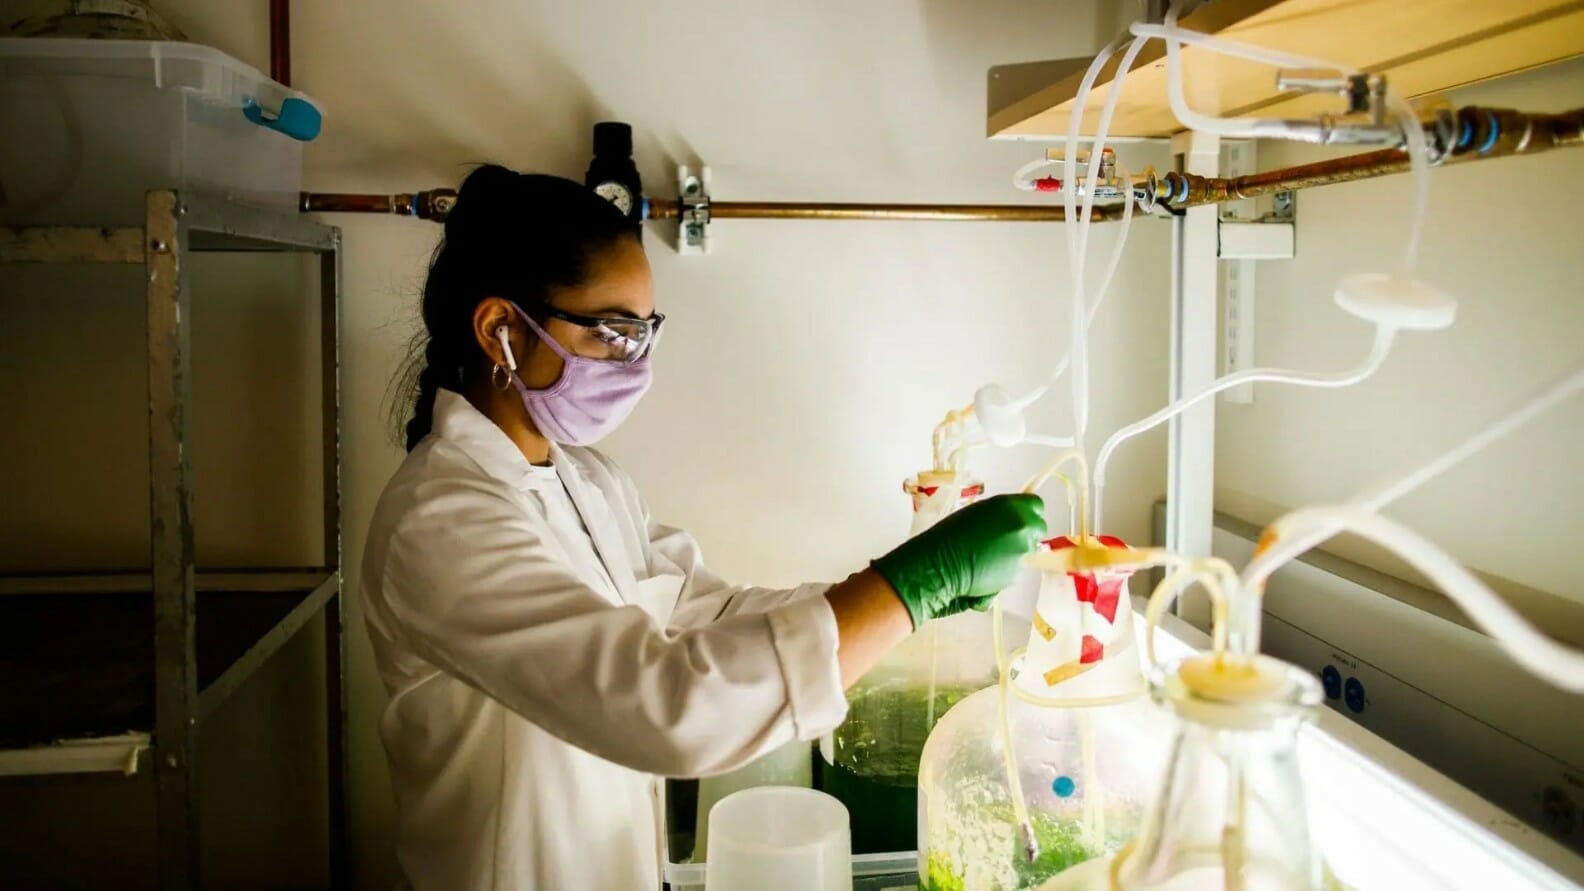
(428, 387)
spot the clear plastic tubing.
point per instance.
(1232, 127)
(1543, 400)
(1372, 362)
(1023, 179)
(1288, 545)
(1413, 135)
(1079, 350)
(1419, 170)
(1545, 658)
(1094, 309)
(1078, 242)
(1275, 58)
(1097, 150)
(1076, 495)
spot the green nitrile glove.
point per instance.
(966, 559)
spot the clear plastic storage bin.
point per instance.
(91, 125)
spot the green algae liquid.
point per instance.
(876, 752)
(1061, 847)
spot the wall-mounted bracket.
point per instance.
(1284, 207)
(1243, 236)
(693, 217)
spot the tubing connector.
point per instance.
(1365, 122)
(434, 205)
(1451, 135)
(1493, 132)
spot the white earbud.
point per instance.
(505, 342)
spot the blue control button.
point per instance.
(1332, 679)
(1353, 695)
(1064, 787)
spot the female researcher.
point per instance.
(550, 651)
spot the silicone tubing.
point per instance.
(1377, 355)
(1076, 232)
(1538, 654)
(1283, 545)
(1112, 265)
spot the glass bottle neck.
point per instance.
(1231, 816)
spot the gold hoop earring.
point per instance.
(500, 377)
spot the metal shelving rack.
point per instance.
(203, 634)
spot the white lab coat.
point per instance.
(536, 701)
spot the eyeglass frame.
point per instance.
(652, 324)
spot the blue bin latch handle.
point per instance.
(297, 118)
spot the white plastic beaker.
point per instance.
(778, 838)
(790, 765)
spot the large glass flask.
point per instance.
(870, 763)
(1230, 812)
(1087, 745)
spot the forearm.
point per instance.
(870, 620)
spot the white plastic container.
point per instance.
(89, 126)
(790, 765)
(870, 872)
(779, 838)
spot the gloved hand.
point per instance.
(966, 559)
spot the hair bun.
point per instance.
(484, 196)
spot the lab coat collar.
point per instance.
(594, 507)
(457, 421)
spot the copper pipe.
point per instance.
(1479, 133)
(1483, 133)
(662, 209)
(436, 203)
(280, 41)
(319, 202)
(431, 205)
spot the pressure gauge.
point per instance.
(616, 193)
(612, 174)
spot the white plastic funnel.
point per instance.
(778, 838)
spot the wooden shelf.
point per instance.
(1422, 46)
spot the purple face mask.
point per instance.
(590, 399)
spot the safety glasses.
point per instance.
(614, 338)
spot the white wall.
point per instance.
(787, 459)
(1503, 237)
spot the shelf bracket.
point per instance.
(1244, 235)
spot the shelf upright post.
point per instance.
(335, 608)
(171, 539)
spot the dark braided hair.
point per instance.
(519, 236)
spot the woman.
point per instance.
(550, 651)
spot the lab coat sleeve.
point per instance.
(477, 593)
(705, 597)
